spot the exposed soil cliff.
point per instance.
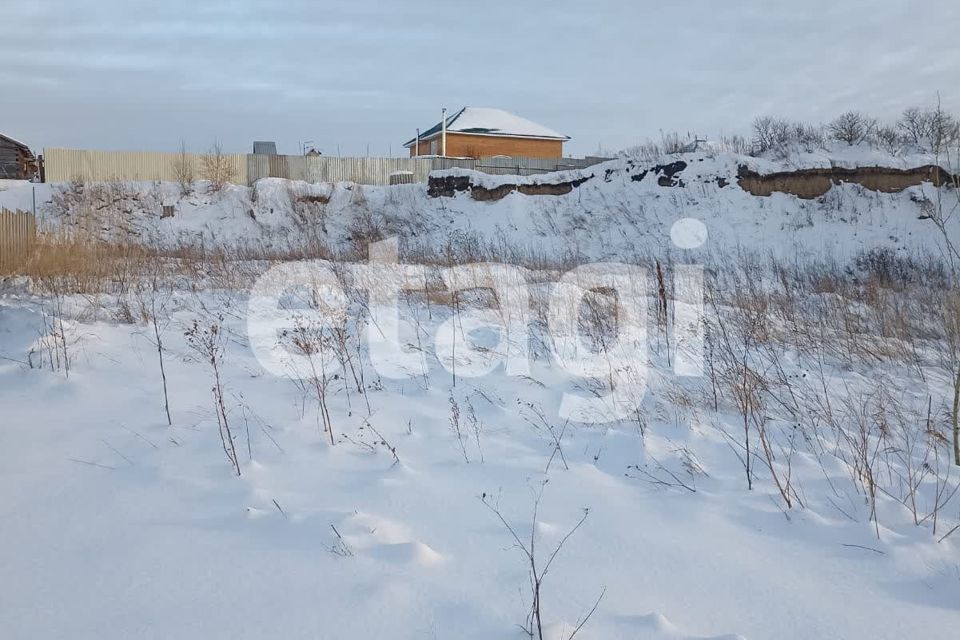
(803, 183)
(448, 186)
(813, 183)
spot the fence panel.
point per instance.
(258, 166)
(440, 164)
(18, 235)
(63, 165)
(371, 171)
(376, 171)
(532, 166)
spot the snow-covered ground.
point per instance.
(118, 525)
(610, 216)
(12, 184)
(115, 524)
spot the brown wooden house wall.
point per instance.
(478, 146)
(16, 161)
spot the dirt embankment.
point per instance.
(448, 186)
(667, 175)
(802, 183)
(813, 183)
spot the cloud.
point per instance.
(348, 74)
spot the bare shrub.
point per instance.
(217, 168)
(736, 144)
(863, 443)
(747, 365)
(897, 269)
(154, 298)
(539, 567)
(314, 341)
(671, 142)
(809, 137)
(53, 341)
(207, 342)
(183, 170)
(929, 129)
(365, 228)
(770, 134)
(951, 360)
(534, 416)
(780, 136)
(458, 428)
(888, 138)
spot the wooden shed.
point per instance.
(16, 160)
(482, 132)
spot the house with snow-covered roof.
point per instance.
(16, 159)
(482, 132)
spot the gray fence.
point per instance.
(63, 165)
(376, 171)
(531, 166)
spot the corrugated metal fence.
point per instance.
(378, 170)
(333, 169)
(18, 234)
(63, 165)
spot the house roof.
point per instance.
(264, 147)
(490, 122)
(14, 141)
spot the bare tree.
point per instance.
(853, 127)
(944, 130)
(913, 124)
(770, 134)
(933, 129)
(888, 138)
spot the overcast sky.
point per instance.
(123, 74)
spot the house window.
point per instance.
(433, 147)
